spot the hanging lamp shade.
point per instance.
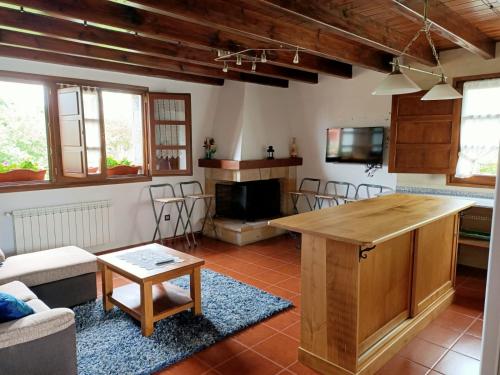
(442, 91)
(396, 83)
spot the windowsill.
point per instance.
(485, 182)
(44, 185)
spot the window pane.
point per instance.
(123, 129)
(92, 129)
(480, 128)
(23, 128)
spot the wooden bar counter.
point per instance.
(374, 273)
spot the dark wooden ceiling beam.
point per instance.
(188, 33)
(203, 51)
(14, 39)
(448, 24)
(34, 55)
(232, 17)
(75, 32)
(343, 21)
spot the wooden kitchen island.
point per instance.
(374, 273)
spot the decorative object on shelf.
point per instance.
(252, 56)
(397, 82)
(210, 148)
(270, 153)
(24, 171)
(293, 149)
(120, 167)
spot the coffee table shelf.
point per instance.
(168, 299)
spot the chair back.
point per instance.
(370, 190)
(339, 188)
(310, 184)
(190, 188)
(161, 191)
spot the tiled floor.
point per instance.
(449, 346)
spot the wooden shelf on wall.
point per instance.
(248, 164)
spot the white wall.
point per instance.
(336, 102)
(249, 118)
(132, 210)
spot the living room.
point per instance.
(142, 121)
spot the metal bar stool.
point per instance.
(303, 192)
(196, 195)
(167, 197)
(340, 193)
(371, 191)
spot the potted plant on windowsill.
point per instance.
(120, 167)
(26, 170)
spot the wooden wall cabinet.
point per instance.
(424, 135)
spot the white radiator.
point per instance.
(87, 225)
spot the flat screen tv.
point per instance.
(355, 145)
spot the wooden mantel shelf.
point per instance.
(248, 164)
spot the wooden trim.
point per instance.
(41, 78)
(47, 185)
(487, 182)
(248, 164)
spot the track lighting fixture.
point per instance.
(263, 57)
(296, 57)
(252, 56)
(21, 9)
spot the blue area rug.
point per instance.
(112, 343)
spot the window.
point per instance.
(70, 132)
(479, 132)
(74, 132)
(170, 121)
(123, 129)
(91, 117)
(23, 132)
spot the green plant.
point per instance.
(112, 162)
(24, 164)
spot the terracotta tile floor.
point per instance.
(449, 346)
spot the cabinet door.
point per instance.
(435, 262)
(424, 135)
(385, 285)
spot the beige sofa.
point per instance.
(38, 344)
(61, 277)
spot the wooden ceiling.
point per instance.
(179, 39)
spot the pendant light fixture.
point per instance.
(398, 83)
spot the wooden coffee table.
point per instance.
(150, 298)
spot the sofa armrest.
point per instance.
(35, 326)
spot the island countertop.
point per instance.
(372, 221)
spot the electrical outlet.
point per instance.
(167, 217)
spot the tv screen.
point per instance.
(355, 145)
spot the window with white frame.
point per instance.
(479, 129)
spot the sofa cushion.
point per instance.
(46, 266)
(12, 308)
(18, 290)
(35, 326)
(2, 256)
(37, 305)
